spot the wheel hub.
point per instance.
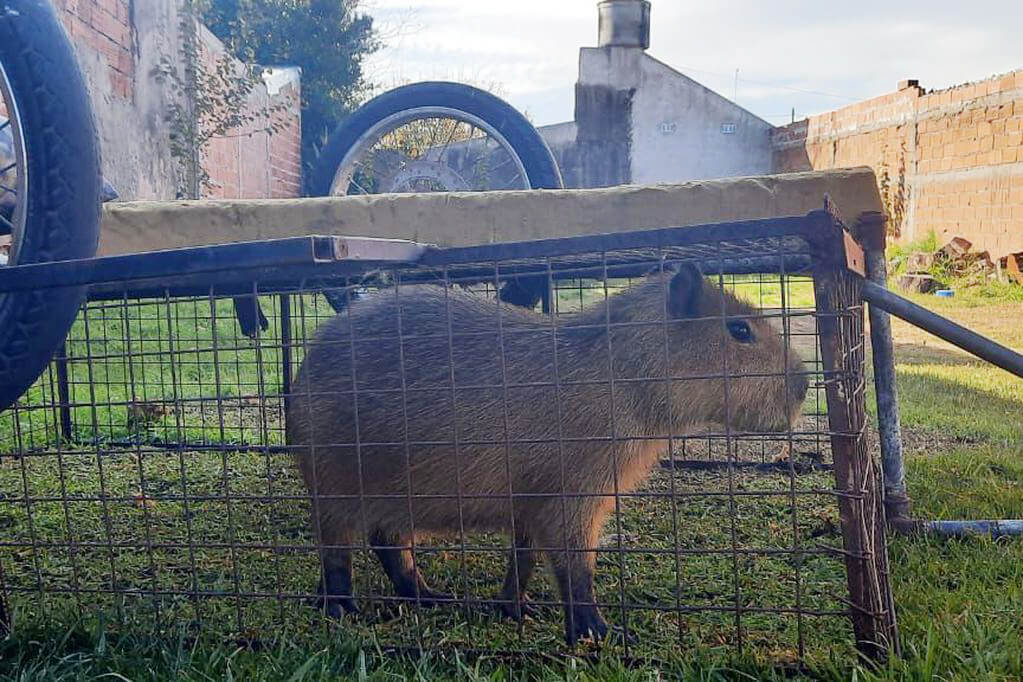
(440, 177)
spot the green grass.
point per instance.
(960, 602)
(971, 289)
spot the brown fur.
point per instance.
(400, 444)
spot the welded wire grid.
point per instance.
(146, 479)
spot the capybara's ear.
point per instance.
(685, 292)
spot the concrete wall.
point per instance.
(682, 130)
(123, 47)
(639, 121)
(126, 49)
(464, 218)
(949, 160)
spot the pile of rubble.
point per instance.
(956, 261)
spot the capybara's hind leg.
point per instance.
(335, 587)
(396, 558)
(514, 601)
(574, 569)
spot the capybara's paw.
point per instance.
(336, 607)
(618, 634)
(431, 598)
(585, 621)
(518, 610)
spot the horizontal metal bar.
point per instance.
(781, 466)
(764, 228)
(617, 267)
(309, 277)
(996, 528)
(269, 253)
(942, 327)
(283, 263)
(396, 599)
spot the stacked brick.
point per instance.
(949, 161)
(242, 163)
(250, 162)
(106, 27)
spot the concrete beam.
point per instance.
(458, 219)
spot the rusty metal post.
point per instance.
(870, 233)
(840, 322)
(64, 394)
(285, 302)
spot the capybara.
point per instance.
(465, 414)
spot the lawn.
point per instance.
(227, 523)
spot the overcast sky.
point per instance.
(813, 55)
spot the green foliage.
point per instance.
(898, 253)
(209, 101)
(972, 288)
(327, 39)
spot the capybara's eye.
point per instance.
(740, 331)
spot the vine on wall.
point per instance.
(893, 189)
(209, 101)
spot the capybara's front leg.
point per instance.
(398, 564)
(335, 588)
(514, 601)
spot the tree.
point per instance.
(327, 39)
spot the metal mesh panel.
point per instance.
(460, 441)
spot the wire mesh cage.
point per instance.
(666, 451)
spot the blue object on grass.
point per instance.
(945, 293)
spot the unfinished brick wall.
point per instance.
(286, 153)
(106, 27)
(122, 46)
(950, 161)
(250, 162)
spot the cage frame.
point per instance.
(836, 264)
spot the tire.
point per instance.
(62, 205)
(537, 159)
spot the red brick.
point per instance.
(84, 11)
(126, 62)
(121, 85)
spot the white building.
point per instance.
(637, 120)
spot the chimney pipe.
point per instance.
(624, 23)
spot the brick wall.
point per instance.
(950, 161)
(286, 154)
(249, 162)
(124, 46)
(106, 27)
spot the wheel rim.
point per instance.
(429, 149)
(13, 172)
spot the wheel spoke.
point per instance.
(454, 129)
(430, 151)
(433, 134)
(7, 168)
(360, 187)
(5, 124)
(7, 224)
(5, 188)
(479, 162)
(503, 164)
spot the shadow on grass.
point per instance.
(922, 354)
